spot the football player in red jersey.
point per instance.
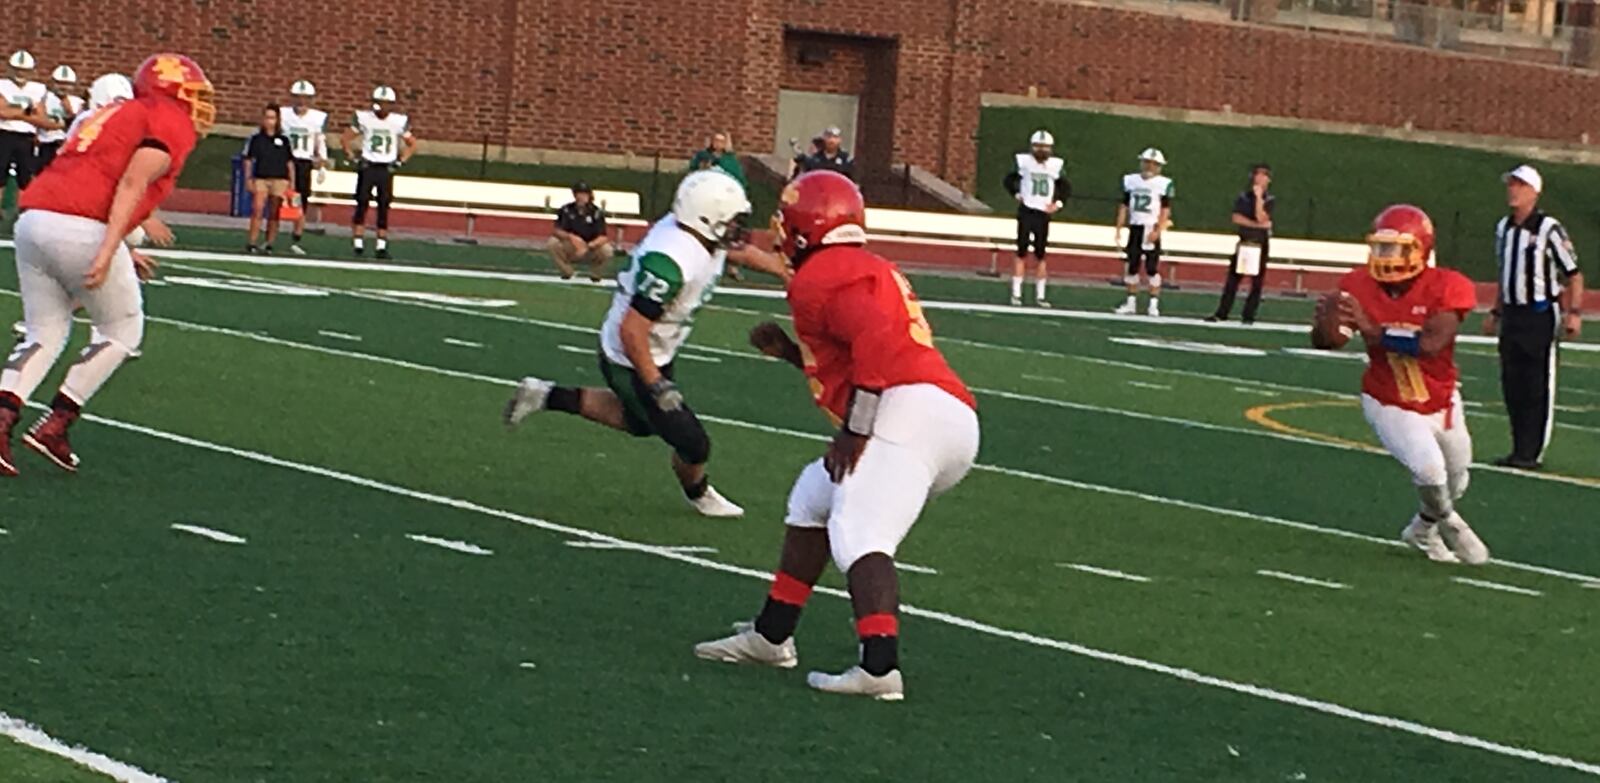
(908, 430)
(1408, 311)
(109, 176)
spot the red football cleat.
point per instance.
(49, 438)
(8, 419)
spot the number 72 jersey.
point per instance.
(859, 324)
(1424, 384)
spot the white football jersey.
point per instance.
(62, 109)
(380, 136)
(22, 96)
(305, 132)
(672, 268)
(1144, 196)
(1038, 183)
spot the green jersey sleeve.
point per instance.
(656, 283)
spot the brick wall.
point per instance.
(642, 77)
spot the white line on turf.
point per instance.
(1176, 672)
(206, 532)
(1153, 386)
(1488, 585)
(354, 338)
(1250, 390)
(691, 357)
(576, 349)
(1098, 571)
(584, 544)
(450, 544)
(1592, 585)
(462, 343)
(916, 569)
(4, 532)
(33, 737)
(1101, 488)
(1304, 580)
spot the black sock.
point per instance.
(880, 654)
(777, 620)
(566, 399)
(64, 406)
(297, 239)
(698, 489)
(10, 402)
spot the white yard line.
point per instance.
(977, 626)
(584, 544)
(1304, 580)
(1110, 572)
(450, 544)
(1152, 386)
(462, 343)
(206, 532)
(1488, 585)
(916, 569)
(354, 338)
(691, 357)
(35, 738)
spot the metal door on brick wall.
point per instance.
(803, 115)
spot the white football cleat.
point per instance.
(747, 646)
(297, 249)
(1425, 537)
(856, 682)
(530, 398)
(1154, 311)
(1043, 303)
(20, 331)
(1127, 308)
(1016, 301)
(1466, 545)
(713, 504)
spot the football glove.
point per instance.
(666, 394)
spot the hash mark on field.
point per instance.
(445, 543)
(1030, 377)
(691, 357)
(206, 532)
(1504, 588)
(1305, 580)
(1249, 390)
(462, 343)
(575, 349)
(354, 338)
(35, 738)
(1592, 585)
(624, 545)
(4, 532)
(915, 569)
(1111, 572)
(1146, 385)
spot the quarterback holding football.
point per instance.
(1407, 311)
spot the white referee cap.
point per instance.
(1042, 137)
(63, 74)
(1526, 174)
(21, 60)
(1153, 155)
(302, 88)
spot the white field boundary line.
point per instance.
(450, 544)
(1038, 477)
(1304, 580)
(1176, 672)
(31, 736)
(1488, 585)
(1108, 572)
(584, 544)
(206, 532)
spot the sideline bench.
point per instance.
(998, 234)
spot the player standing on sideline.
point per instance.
(21, 111)
(114, 170)
(1147, 209)
(908, 431)
(672, 274)
(1408, 311)
(1039, 183)
(61, 106)
(305, 127)
(386, 144)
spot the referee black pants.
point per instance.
(16, 151)
(1528, 376)
(374, 179)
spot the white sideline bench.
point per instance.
(999, 234)
(472, 198)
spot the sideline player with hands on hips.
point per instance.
(908, 431)
(1146, 209)
(386, 144)
(1408, 312)
(672, 274)
(112, 172)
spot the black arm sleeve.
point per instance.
(1063, 189)
(648, 307)
(1012, 183)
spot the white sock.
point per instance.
(1038, 289)
(1133, 300)
(382, 243)
(360, 243)
(1016, 287)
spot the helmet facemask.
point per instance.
(1394, 257)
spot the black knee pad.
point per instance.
(682, 430)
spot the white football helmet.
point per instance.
(21, 60)
(109, 89)
(303, 89)
(710, 203)
(1042, 138)
(63, 74)
(383, 93)
(1154, 156)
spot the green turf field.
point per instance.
(1328, 185)
(325, 417)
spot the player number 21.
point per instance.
(921, 333)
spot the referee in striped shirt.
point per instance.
(1541, 293)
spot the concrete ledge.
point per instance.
(474, 151)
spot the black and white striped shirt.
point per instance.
(1530, 253)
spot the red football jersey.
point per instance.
(1423, 383)
(859, 324)
(84, 176)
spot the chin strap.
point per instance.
(863, 412)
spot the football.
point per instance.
(1329, 332)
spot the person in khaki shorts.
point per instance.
(266, 174)
(580, 235)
